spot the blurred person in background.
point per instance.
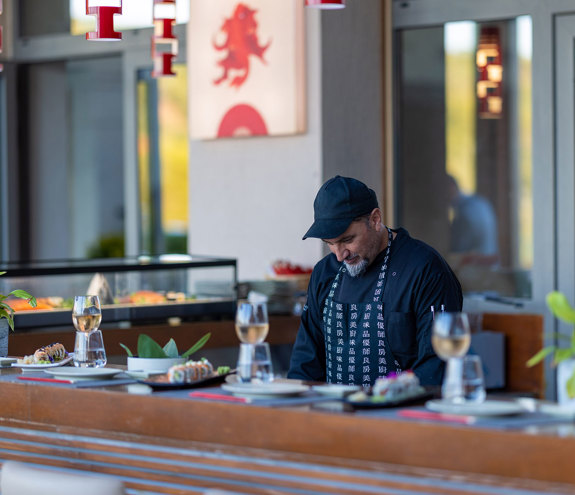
(474, 225)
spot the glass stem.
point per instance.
(452, 389)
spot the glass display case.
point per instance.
(142, 289)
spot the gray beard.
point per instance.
(357, 269)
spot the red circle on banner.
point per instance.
(242, 120)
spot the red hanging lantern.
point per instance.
(164, 41)
(104, 21)
(325, 4)
(490, 73)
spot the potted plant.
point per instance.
(563, 357)
(153, 357)
(7, 315)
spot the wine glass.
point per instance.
(451, 338)
(252, 323)
(89, 346)
(87, 313)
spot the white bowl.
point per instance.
(153, 364)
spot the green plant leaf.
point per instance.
(148, 348)
(562, 355)
(540, 356)
(171, 349)
(198, 345)
(571, 386)
(128, 351)
(22, 294)
(560, 307)
(7, 312)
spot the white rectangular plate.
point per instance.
(265, 390)
(487, 408)
(71, 372)
(35, 367)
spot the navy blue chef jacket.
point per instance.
(417, 278)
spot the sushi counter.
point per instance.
(182, 442)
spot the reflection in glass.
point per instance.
(465, 99)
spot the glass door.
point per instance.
(565, 146)
(463, 161)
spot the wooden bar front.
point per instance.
(177, 445)
(62, 421)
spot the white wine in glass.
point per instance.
(252, 323)
(451, 339)
(87, 313)
(447, 347)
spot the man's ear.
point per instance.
(375, 220)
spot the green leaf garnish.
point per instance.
(149, 348)
(171, 349)
(128, 351)
(222, 370)
(198, 345)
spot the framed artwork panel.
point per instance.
(245, 68)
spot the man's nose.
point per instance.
(341, 253)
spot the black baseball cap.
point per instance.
(340, 201)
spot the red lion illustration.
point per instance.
(241, 42)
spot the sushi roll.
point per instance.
(57, 351)
(177, 374)
(190, 372)
(42, 356)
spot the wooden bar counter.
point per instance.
(161, 444)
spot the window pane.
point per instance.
(74, 185)
(163, 162)
(464, 149)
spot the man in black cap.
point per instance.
(370, 302)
